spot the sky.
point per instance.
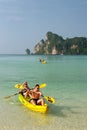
(23, 23)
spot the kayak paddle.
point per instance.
(49, 99)
(11, 95)
(18, 86)
(43, 85)
(21, 87)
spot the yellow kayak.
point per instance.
(44, 62)
(36, 108)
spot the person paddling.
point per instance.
(25, 89)
(35, 95)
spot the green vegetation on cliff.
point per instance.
(55, 44)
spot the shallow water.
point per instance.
(66, 78)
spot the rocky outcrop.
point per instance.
(49, 45)
(55, 44)
(54, 51)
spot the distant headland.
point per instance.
(56, 45)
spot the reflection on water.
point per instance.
(61, 111)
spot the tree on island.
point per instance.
(27, 51)
(55, 44)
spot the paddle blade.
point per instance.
(43, 85)
(50, 99)
(7, 97)
(19, 86)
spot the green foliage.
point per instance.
(27, 51)
(74, 46)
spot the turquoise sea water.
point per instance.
(66, 79)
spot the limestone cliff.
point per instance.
(55, 44)
(49, 45)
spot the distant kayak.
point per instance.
(42, 61)
(36, 108)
